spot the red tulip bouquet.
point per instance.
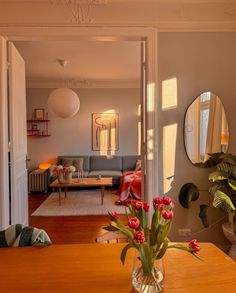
(150, 242)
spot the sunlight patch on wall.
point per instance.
(150, 144)
(169, 153)
(169, 94)
(103, 142)
(108, 139)
(151, 97)
(139, 130)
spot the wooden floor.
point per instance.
(67, 229)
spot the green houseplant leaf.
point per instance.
(232, 183)
(222, 201)
(217, 176)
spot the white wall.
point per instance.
(199, 62)
(72, 136)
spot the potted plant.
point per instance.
(64, 174)
(223, 187)
(223, 190)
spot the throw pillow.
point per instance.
(78, 163)
(66, 162)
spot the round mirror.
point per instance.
(205, 129)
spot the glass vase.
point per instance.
(149, 283)
(61, 176)
(67, 177)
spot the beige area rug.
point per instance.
(78, 203)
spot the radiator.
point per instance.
(38, 181)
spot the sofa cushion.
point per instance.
(129, 162)
(72, 158)
(105, 173)
(104, 163)
(78, 163)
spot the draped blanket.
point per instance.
(19, 235)
(130, 186)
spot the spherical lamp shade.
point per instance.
(64, 102)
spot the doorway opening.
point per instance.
(143, 131)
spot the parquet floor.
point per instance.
(67, 229)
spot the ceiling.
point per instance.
(90, 63)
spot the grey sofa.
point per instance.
(114, 167)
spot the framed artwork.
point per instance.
(105, 131)
(39, 114)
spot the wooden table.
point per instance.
(86, 182)
(96, 268)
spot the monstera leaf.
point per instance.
(222, 201)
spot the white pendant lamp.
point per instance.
(64, 102)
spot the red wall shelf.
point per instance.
(39, 120)
(38, 135)
(38, 127)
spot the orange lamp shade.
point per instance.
(44, 166)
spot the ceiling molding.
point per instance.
(165, 15)
(30, 83)
(81, 10)
(164, 26)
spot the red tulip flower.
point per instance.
(158, 200)
(194, 245)
(139, 236)
(146, 206)
(134, 223)
(161, 207)
(167, 215)
(167, 201)
(115, 215)
(138, 205)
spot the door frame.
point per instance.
(149, 36)
(4, 139)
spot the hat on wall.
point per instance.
(188, 192)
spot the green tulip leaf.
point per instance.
(143, 218)
(124, 252)
(222, 201)
(162, 250)
(111, 228)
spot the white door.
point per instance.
(4, 163)
(18, 140)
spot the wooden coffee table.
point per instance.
(86, 182)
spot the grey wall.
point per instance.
(73, 135)
(200, 62)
